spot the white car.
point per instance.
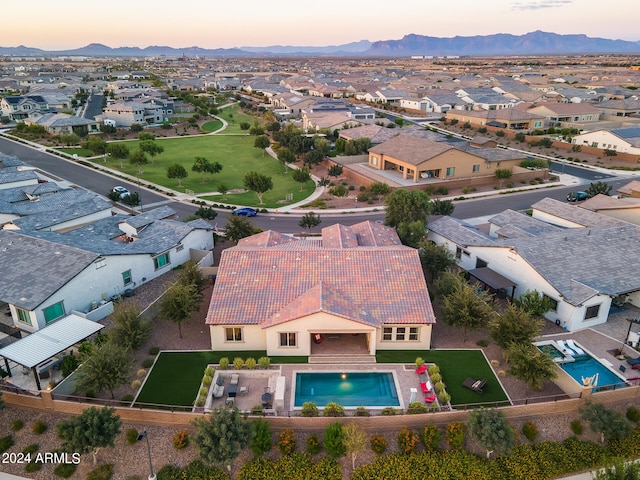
(122, 191)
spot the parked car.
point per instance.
(245, 212)
(122, 191)
(577, 196)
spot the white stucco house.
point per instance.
(623, 139)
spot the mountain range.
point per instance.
(533, 43)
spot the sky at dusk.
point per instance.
(218, 24)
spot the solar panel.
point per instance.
(631, 132)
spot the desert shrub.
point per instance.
(201, 400)
(361, 412)
(313, 445)
(17, 425)
(29, 449)
(136, 384)
(101, 472)
(430, 434)
(530, 431)
(379, 444)
(224, 363)
(261, 438)
(131, 436)
(154, 351)
(482, 343)
(454, 434)
(416, 408)
(141, 372)
(250, 363)
(444, 398)
(576, 427)
(69, 364)
(6, 443)
(264, 362)
(439, 387)
(442, 191)
(128, 397)
(333, 409)
(387, 411)
(147, 362)
(309, 409)
(633, 414)
(334, 440)
(500, 133)
(33, 467)
(407, 440)
(39, 427)
(238, 363)
(64, 470)
(287, 442)
(339, 191)
(180, 439)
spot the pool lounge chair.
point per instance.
(564, 348)
(475, 385)
(634, 362)
(574, 347)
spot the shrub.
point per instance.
(69, 364)
(6, 443)
(333, 409)
(201, 400)
(136, 384)
(419, 361)
(387, 411)
(33, 467)
(264, 362)
(361, 412)
(576, 427)
(147, 362)
(17, 425)
(633, 414)
(261, 439)
(430, 436)
(309, 409)
(65, 470)
(433, 369)
(203, 391)
(439, 386)
(154, 351)
(339, 191)
(407, 440)
(334, 440)
(102, 472)
(257, 410)
(444, 398)
(287, 442)
(128, 398)
(482, 343)
(131, 436)
(29, 449)
(500, 133)
(141, 373)
(207, 380)
(530, 431)
(379, 444)
(238, 363)
(180, 439)
(250, 363)
(436, 377)
(416, 408)
(224, 363)
(454, 434)
(442, 191)
(39, 427)
(209, 371)
(313, 445)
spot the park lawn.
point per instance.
(234, 119)
(176, 376)
(212, 126)
(455, 367)
(236, 154)
(81, 152)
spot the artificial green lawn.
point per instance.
(176, 376)
(455, 367)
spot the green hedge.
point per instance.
(298, 465)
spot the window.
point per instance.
(101, 263)
(592, 312)
(387, 333)
(451, 171)
(126, 277)
(233, 334)
(458, 253)
(161, 261)
(537, 124)
(480, 263)
(23, 316)
(288, 339)
(53, 312)
(179, 248)
(413, 333)
(400, 334)
(374, 160)
(553, 301)
(476, 168)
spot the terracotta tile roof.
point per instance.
(377, 281)
(410, 149)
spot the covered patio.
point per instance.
(40, 351)
(496, 283)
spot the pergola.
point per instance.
(493, 279)
(40, 346)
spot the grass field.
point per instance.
(455, 367)
(176, 376)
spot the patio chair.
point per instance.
(634, 362)
(421, 369)
(574, 347)
(234, 379)
(475, 385)
(425, 386)
(430, 397)
(218, 391)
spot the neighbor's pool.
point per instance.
(349, 389)
(587, 366)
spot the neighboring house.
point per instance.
(17, 109)
(485, 99)
(125, 114)
(442, 102)
(274, 292)
(327, 120)
(46, 275)
(623, 140)
(567, 115)
(579, 259)
(290, 104)
(61, 123)
(414, 103)
(627, 209)
(616, 109)
(631, 189)
(376, 133)
(511, 118)
(415, 158)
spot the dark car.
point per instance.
(245, 212)
(577, 196)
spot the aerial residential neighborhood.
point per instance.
(339, 259)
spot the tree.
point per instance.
(96, 144)
(179, 302)
(411, 233)
(132, 200)
(151, 147)
(531, 365)
(502, 174)
(467, 308)
(142, 136)
(260, 437)
(442, 207)
(355, 441)
(322, 145)
(138, 157)
(334, 440)
(534, 303)
(202, 165)
(95, 428)
(514, 325)
(619, 470)
(302, 176)
(221, 438)
(190, 274)
(177, 171)
(608, 423)
(129, 329)
(335, 171)
(435, 258)
(119, 151)
(107, 367)
(407, 206)
(379, 188)
(313, 157)
(286, 156)
(257, 182)
(238, 228)
(262, 142)
(598, 188)
(309, 220)
(492, 430)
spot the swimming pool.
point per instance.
(585, 366)
(349, 389)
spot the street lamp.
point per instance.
(144, 434)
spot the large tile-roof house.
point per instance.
(623, 139)
(274, 292)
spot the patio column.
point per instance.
(35, 375)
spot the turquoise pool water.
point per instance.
(587, 366)
(349, 389)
